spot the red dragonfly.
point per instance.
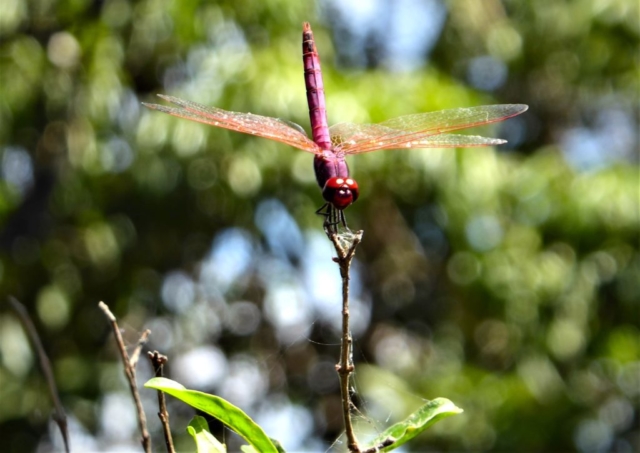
(331, 145)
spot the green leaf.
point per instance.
(415, 423)
(250, 449)
(217, 407)
(205, 442)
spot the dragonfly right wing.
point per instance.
(247, 123)
(423, 130)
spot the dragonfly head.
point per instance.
(340, 192)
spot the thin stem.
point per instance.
(130, 372)
(59, 415)
(345, 245)
(136, 352)
(158, 360)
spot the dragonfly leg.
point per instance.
(324, 210)
(343, 220)
(332, 218)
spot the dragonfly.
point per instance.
(331, 145)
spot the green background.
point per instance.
(506, 280)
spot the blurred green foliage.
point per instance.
(506, 281)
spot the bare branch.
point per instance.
(158, 360)
(59, 415)
(130, 372)
(345, 245)
(141, 342)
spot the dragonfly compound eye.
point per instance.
(340, 192)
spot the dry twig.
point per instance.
(59, 415)
(130, 372)
(345, 245)
(158, 360)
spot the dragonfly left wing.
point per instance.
(247, 123)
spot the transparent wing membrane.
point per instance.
(422, 130)
(247, 123)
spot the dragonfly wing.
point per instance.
(247, 123)
(422, 130)
(452, 141)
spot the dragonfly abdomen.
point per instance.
(315, 90)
